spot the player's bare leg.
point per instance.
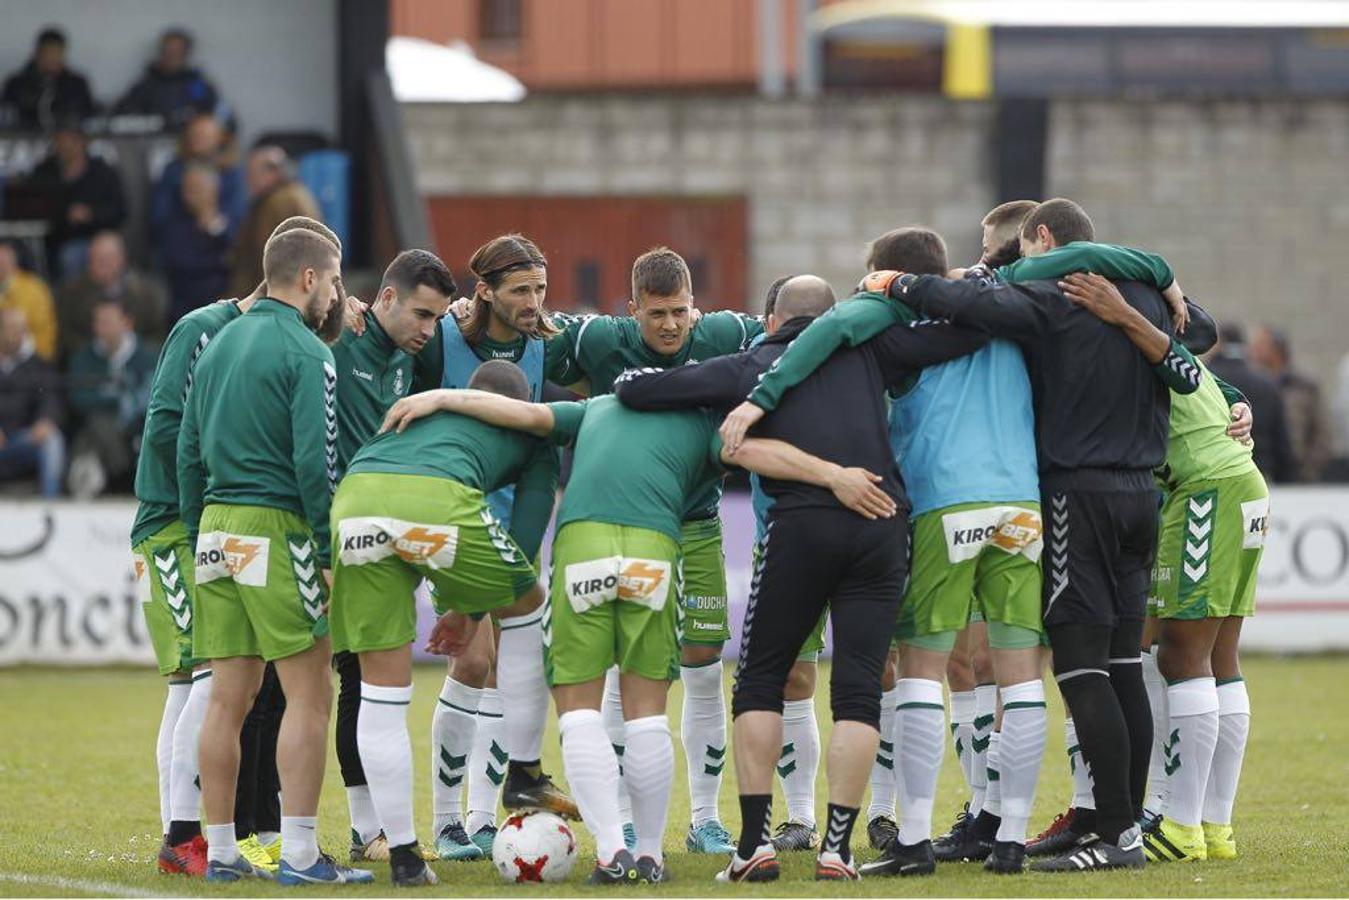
(235, 682)
(301, 751)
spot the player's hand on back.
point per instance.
(737, 424)
(452, 634)
(857, 489)
(1097, 295)
(1243, 420)
(409, 409)
(462, 309)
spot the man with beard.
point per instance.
(165, 578)
(257, 459)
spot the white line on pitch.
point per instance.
(102, 888)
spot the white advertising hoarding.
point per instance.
(67, 592)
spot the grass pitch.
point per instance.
(79, 814)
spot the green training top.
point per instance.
(157, 468)
(600, 348)
(1199, 448)
(1110, 260)
(260, 427)
(372, 373)
(635, 468)
(478, 455)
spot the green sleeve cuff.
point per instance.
(1179, 370)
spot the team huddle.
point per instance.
(967, 473)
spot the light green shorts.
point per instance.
(165, 579)
(705, 617)
(1209, 545)
(391, 531)
(260, 589)
(614, 598)
(973, 556)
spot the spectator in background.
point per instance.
(108, 277)
(1273, 449)
(1308, 424)
(30, 409)
(44, 92)
(109, 392)
(205, 141)
(195, 250)
(171, 88)
(87, 193)
(27, 293)
(274, 196)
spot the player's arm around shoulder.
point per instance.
(855, 488)
(494, 409)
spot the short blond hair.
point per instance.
(1005, 219)
(309, 224)
(290, 253)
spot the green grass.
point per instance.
(78, 801)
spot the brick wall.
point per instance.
(1249, 200)
(821, 180)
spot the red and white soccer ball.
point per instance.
(534, 846)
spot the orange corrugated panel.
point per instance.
(591, 242)
(562, 44)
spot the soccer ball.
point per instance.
(534, 846)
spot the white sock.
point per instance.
(650, 771)
(452, 731)
(1021, 748)
(220, 844)
(611, 709)
(299, 841)
(962, 729)
(883, 769)
(985, 710)
(703, 731)
(184, 790)
(522, 685)
(386, 755)
(1193, 739)
(921, 741)
(800, 761)
(1234, 724)
(365, 820)
(174, 701)
(592, 773)
(267, 838)
(993, 793)
(487, 765)
(1083, 797)
(1161, 731)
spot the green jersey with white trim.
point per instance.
(260, 425)
(636, 468)
(1199, 448)
(157, 467)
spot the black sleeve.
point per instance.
(902, 349)
(1285, 463)
(715, 384)
(1202, 332)
(1015, 311)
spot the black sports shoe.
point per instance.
(972, 843)
(1094, 853)
(902, 859)
(1058, 838)
(791, 836)
(1007, 858)
(881, 831)
(622, 869)
(525, 791)
(652, 872)
(963, 820)
(408, 869)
